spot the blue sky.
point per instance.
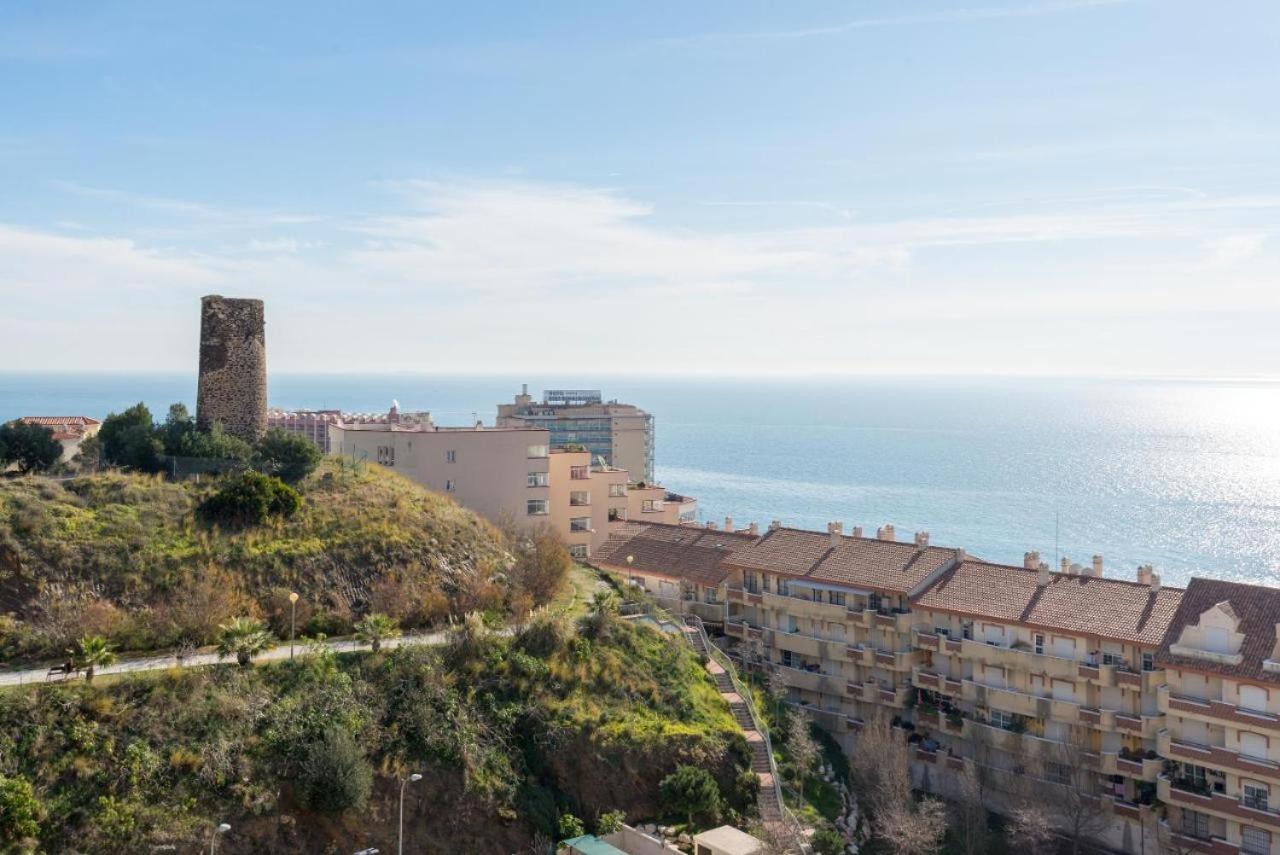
(1015, 186)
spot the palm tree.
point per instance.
(91, 653)
(245, 638)
(375, 627)
(604, 604)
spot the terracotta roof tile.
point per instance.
(859, 562)
(681, 552)
(1082, 605)
(1257, 607)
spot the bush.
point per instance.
(334, 775)
(32, 447)
(250, 498)
(571, 827)
(691, 791)
(827, 841)
(610, 822)
(20, 814)
(286, 455)
(542, 562)
(128, 440)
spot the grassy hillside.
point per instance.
(507, 732)
(127, 556)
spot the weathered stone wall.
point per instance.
(233, 367)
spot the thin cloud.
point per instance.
(984, 13)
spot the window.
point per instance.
(835, 598)
(617, 514)
(942, 631)
(579, 498)
(538, 451)
(784, 588)
(387, 455)
(617, 491)
(1038, 641)
(1112, 658)
(451, 456)
(1002, 719)
(1253, 698)
(578, 473)
(537, 507)
(1195, 823)
(450, 486)
(1148, 660)
(873, 602)
(751, 582)
(1255, 841)
(966, 630)
(646, 506)
(1255, 796)
(1253, 745)
(1058, 773)
(578, 551)
(580, 524)
(539, 479)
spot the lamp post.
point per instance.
(293, 613)
(222, 828)
(412, 779)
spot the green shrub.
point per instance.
(20, 814)
(250, 498)
(287, 455)
(690, 790)
(334, 775)
(610, 821)
(571, 827)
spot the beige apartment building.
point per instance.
(1220, 703)
(655, 503)
(1146, 717)
(500, 473)
(619, 434)
(587, 501)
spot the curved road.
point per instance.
(195, 660)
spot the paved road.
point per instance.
(160, 663)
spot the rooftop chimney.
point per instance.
(1078, 570)
(885, 532)
(711, 526)
(1031, 560)
(1066, 565)
(922, 539)
(1155, 583)
(1097, 566)
(1042, 574)
(775, 525)
(857, 531)
(728, 523)
(753, 529)
(836, 530)
(1145, 572)
(961, 556)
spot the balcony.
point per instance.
(799, 678)
(1218, 804)
(1175, 841)
(1215, 712)
(894, 661)
(926, 679)
(1142, 769)
(1146, 726)
(804, 607)
(1019, 659)
(926, 640)
(1022, 703)
(1216, 757)
(735, 629)
(805, 645)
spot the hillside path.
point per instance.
(196, 660)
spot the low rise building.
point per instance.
(314, 424)
(69, 431)
(654, 503)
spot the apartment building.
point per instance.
(1221, 704)
(500, 473)
(1151, 711)
(620, 434)
(655, 503)
(314, 424)
(587, 501)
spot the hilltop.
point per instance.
(127, 556)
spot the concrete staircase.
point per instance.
(761, 759)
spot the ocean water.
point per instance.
(1184, 475)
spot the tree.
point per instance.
(604, 609)
(91, 653)
(971, 818)
(334, 774)
(32, 447)
(375, 628)
(880, 770)
(129, 440)
(801, 748)
(250, 498)
(542, 561)
(692, 791)
(610, 822)
(287, 455)
(1075, 808)
(20, 815)
(243, 638)
(88, 454)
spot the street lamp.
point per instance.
(412, 779)
(222, 828)
(293, 613)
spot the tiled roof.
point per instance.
(860, 562)
(1258, 608)
(1082, 605)
(59, 421)
(681, 552)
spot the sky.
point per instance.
(1082, 187)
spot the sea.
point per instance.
(1182, 474)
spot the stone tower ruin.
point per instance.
(233, 367)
